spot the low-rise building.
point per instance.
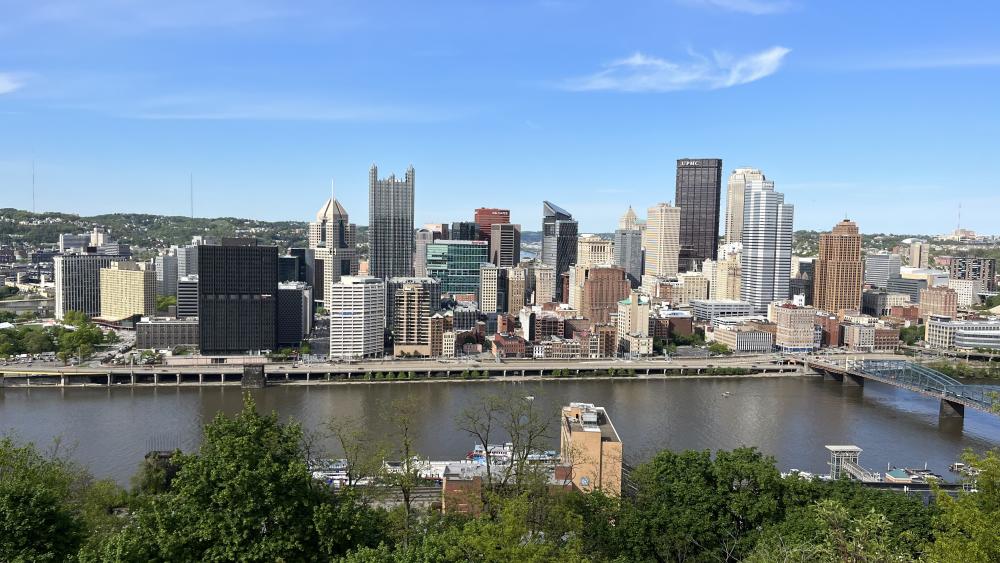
(711, 309)
(944, 332)
(589, 443)
(509, 346)
(158, 333)
(938, 300)
(795, 327)
(744, 338)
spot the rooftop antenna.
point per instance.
(333, 191)
(191, 192)
(959, 216)
(32, 185)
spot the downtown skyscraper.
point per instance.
(699, 191)
(390, 224)
(767, 245)
(735, 189)
(559, 237)
(839, 269)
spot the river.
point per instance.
(791, 418)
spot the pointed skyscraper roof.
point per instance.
(629, 221)
(331, 210)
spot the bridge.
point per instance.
(953, 394)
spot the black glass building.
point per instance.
(699, 191)
(559, 238)
(237, 296)
(465, 230)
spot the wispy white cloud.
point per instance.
(919, 61)
(643, 73)
(754, 7)
(9, 83)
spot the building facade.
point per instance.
(357, 318)
(974, 268)
(735, 189)
(559, 235)
(628, 253)
(237, 297)
(127, 291)
(839, 269)
(166, 334)
(698, 194)
(390, 224)
(880, 267)
(592, 250)
(455, 263)
(486, 217)
(767, 245)
(187, 297)
(78, 283)
(295, 317)
(505, 244)
(938, 301)
(795, 327)
(661, 239)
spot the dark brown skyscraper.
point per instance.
(699, 191)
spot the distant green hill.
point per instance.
(144, 230)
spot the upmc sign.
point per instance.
(690, 163)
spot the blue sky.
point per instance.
(884, 111)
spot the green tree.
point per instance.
(111, 337)
(37, 341)
(719, 349)
(511, 536)
(164, 302)
(841, 537)
(75, 318)
(37, 520)
(911, 335)
(968, 528)
(687, 504)
(305, 348)
(246, 495)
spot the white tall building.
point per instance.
(78, 283)
(738, 181)
(767, 245)
(357, 317)
(661, 239)
(492, 288)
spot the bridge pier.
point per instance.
(951, 409)
(831, 376)
(110, 379)
(855, 380)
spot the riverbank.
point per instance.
(323, 382)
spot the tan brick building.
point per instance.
(589, 443)
(127, 291)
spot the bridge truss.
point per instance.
(927, 381)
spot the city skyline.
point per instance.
(118, 107)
